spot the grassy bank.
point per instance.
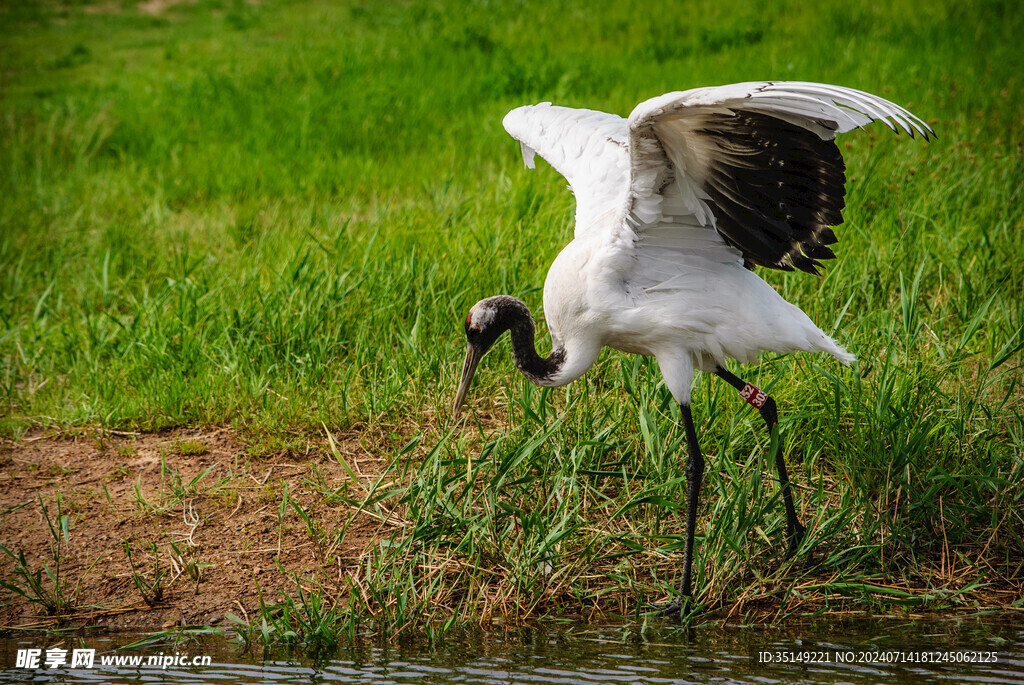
(274, 217)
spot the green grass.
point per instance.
(52, 592)
(276, 216)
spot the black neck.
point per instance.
(517, 318)
(524, 352)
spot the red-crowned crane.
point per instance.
(675, 206)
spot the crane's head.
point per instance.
(485, 323)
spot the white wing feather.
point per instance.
(588, 148)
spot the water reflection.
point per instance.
(854, 651)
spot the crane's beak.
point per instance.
(473, 357)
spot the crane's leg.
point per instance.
(694, 475)
(766, 405)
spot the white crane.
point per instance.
(675, 206)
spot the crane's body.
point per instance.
(711, 311)
(675, 206)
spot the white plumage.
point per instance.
(646, 271)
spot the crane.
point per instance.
(675, 207)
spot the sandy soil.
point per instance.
(226, 527)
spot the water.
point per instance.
(854, 651)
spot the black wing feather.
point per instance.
(777, 189)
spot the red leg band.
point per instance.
(754, 396)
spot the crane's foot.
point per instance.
(795, 541)
(676, 609)
(669, 609)
(795, 538)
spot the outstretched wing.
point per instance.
(590, 149)
(747, 171)
(756, 161)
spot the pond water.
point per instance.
(981, 650)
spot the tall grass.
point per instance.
(275, 215)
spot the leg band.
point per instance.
(754, 396)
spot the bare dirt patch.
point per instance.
(202, 518)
